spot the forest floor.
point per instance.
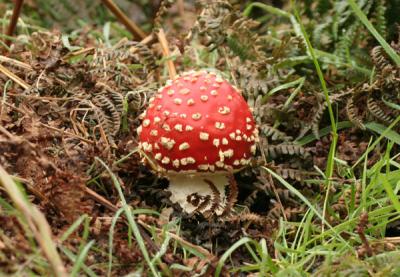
(320, 197)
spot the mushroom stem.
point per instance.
(204, 193)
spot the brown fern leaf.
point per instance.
(250, 199)
(138, 98)
(162, 10)
(290, 213)
(145, 56)
(289, 173)
(108, 109)
(377, 111)
(201, 202)
(216, 199)
(247, 217)
(232, 196)
(254, 82)
(380, 59)
(353, 115)
(108, 115)
(212, 23)
(286, 149)
(273, 133)
(317, 118)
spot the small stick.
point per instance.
(50, 98)
(67, 133)
(271, 181)
(78, 52)
(181, 7)
(146, 40)
(14, 77)
(15, 62)
(131, 26)
(14, 19)
(164, 46)
(95, 196)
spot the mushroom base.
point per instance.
(204, 193)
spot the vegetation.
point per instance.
(321, 196)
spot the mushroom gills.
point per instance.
(196, 193)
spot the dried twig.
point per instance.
(78, 52)
(67, 133)
(14, 77)
(14, 19)
(144, 41)
(164, 46)
(181, 7)
(97, 197)
(131, 26)
(271, 181)
(15, 62)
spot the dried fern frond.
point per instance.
(162, 10)
(317, 118)
(290, 213)
(216, 199)
(201, 202)
(273, 133)
(247, 217)
(285, 149)
(232, 194)
(212, 23)
(290, 173)
(353, 115)
(138, 98)
(376, 110)
(110, 118)
(145, 56)
(245, 43)
(380, 59)
(112, 63)
(254, 82)
(108, 107)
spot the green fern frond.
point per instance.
(380, 17)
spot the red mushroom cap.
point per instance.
(198, 122)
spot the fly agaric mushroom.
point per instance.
(197, 130)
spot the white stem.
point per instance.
(183, 185)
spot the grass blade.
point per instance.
(131, 221)
(228, 252)
(81, 258)
(36, 221)
(111, 239)
(73, 227)
(389, 50)
(382, 130)
(307, 202)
